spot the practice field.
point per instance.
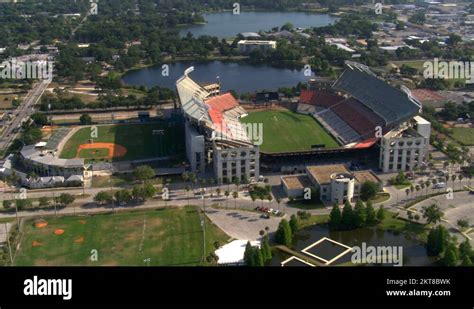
(168, 237)
(463, 135)
(125, 142)
(284, 130)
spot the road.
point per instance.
(25, 110)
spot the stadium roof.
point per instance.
(390, 103)
(192, 96)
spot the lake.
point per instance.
(237, 76)
(414, 251)
(226, 24)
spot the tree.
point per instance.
(465, 249)
(451, 257)
(23, 204)
(283, 234)
(371, 216)
(432, 213)
(85, 119)
(149, 190)
(226, 193)
(347, 217)
(369, 190)
(466, 261)
(463, 223)
(287, 27)
(138, 193)
(39, 119)
(381, 213)
(335, 217)
(235, 195)
(44, 201)
(248, 255)
(360, 214)
(123, 197)
(7, 204)
(266, 249)
(437, 240)
(143, 173)
(103, 198)
(294, 224)
(66, 199)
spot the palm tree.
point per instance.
(226, 193)
(218, 191)
(417, 188)
(412, 189)
(461, 177)
(235, 195)
(427, 184)
(407, 191)
(253, 197)
(270, 199)
(453, 179)
(278, 200)
(422, 185)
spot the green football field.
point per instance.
(285, 131)
(463, 135)
(138, 139)
(168, 237)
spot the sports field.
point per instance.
(284, 130)
(464, 136)
(168, 237)
(125, 142)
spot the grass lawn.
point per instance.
(390, 223)
(381, 197)
(138, 139)
(315, 219)
(464, 136)
(403, 186)
(169, 237)
(284, 130)
(305, 204)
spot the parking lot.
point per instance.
(461, 206)
(240, 224)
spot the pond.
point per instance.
(237, 76)
(226, 24)
(414, 252)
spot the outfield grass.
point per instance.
(137, 138)
(464, 136)
(284, 130)
(169, 237)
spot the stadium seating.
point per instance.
(337, 127)
(359, 117)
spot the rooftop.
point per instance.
(296, 182)
(364, 176)
(390, 103)
(322, 173)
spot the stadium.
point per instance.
(357, 115)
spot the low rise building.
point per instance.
(248, 46)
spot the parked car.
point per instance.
(265, 216)
(439, 185)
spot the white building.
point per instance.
(406, 147)
(214, 135)
(248, 46)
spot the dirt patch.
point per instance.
(59, 232)
(83, 222)
(80, 240)
(41, 224)
(114, 150)
(36, 244)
